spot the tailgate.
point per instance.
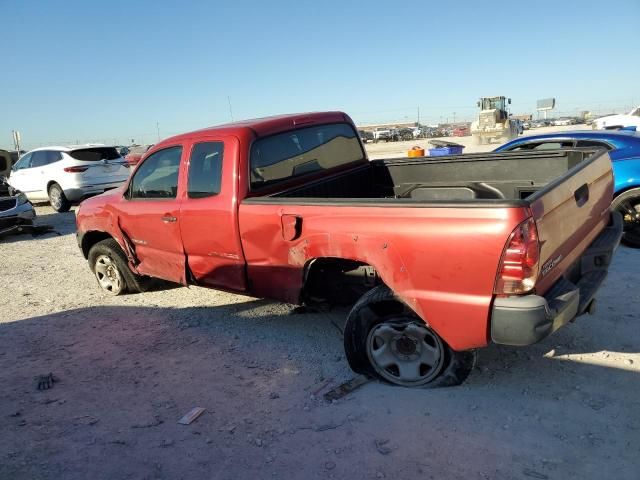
(570, 212)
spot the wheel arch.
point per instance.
(628, 189)
(337, 279)
(89, 239)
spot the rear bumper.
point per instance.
(528, 319)
(83, 191)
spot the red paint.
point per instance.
(441, 261)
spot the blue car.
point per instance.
(624, 149)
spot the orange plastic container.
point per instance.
(416, 152)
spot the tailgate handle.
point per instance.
(581, 195)
(291, 227)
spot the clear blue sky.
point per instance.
(85, 70)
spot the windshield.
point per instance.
(492, 104)
(303, 151)
(95, 154)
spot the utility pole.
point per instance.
(158, 130)
(230, 110)
(16, 140)
(418, 115)
(454, 117)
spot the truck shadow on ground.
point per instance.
(127, 373)
(258, 328)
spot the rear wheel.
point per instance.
(57, 199)
(383, 338)
(628, 204)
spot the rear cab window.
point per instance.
(303, 151)
(157, 176)
(95, 154)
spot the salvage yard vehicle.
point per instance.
(366, 136)
(624, 151)
(64, 175)
(441, 256)
(135, 153)
(381, 133)
(494, 122)
(5, 163)
(631, 119)
(16, 212)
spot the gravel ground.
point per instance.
(129, 367)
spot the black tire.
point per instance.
(628, 204)
(379, 305)
(58, 199)
(130, 281)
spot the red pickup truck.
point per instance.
(441, 256)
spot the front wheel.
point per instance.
(383, 338)
(628, 204)
(110, 266)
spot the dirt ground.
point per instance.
(129, 367)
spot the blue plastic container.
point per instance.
(442, 151)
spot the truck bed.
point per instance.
(497, 178)
(567, 192)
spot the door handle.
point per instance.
(169, 219)
(581, 195)
(291, 226)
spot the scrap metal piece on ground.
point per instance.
(346, 388)
(322, 387)
(381, 446)
(190, 416)
(45, 382)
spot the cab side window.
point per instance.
(39, 158)
(157, 177)
(205, 170)
(45, 157)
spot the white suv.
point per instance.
(68, 174)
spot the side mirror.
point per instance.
(509, 101)
(478, 104)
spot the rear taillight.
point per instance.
(518, 270)
(75, 169)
